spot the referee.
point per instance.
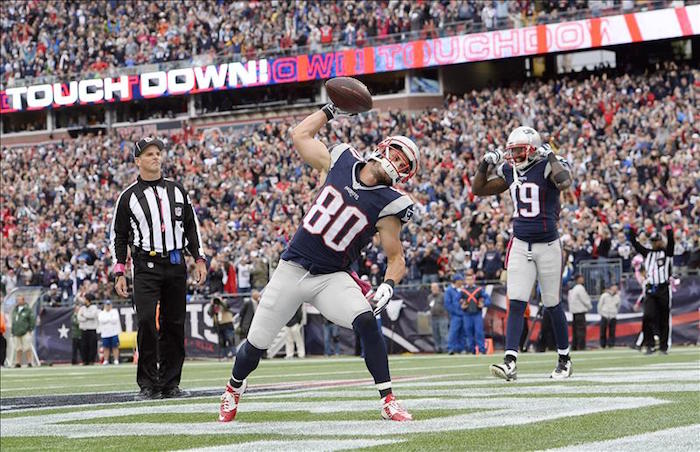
(155, 216)
(657, 293)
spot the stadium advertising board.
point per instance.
(540, 39)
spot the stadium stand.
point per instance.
(57, 38)
(632, 140)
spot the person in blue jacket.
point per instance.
(453, 305)
(475, 298)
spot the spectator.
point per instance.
(452, 301)
(222, 316)
(52, 297)
(331, 338)
(110, 326)
(215, 277)
(375, 276)
(23, 323)
(260, 273)
(439, 318)
(608, 307)
(88, 322)
(428, 265)
(579, 305)
(75, 333)
(243, 269)
(492, 264)
(294, 335)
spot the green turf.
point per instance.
(459, 373)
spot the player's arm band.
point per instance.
(483, 167)
(390, 282)
(328, 111)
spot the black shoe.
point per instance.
(148, 394)
(650, 351)
(18, 365)
(664, 352)
(175, 392)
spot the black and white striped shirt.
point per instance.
(154, 216)
(657, 263)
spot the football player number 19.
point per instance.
(338, 223)
(526, 199)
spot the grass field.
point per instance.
(616, 400)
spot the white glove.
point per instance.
(333, 112)
(494, 157)
(382, 297)
(544, 151)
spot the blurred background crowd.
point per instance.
(631, 139)
(61, 38)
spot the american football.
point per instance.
(331, 225)
(349, 94)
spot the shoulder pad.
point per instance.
(338, 150)
(401, 207)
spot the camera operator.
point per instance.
(222, 316)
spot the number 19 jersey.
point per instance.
(536, 203)
(342, 219)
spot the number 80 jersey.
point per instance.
(536, 203)
(342, 219)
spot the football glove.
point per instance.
(544, 151)
(494, 157)
(382, 297)
(333, 112)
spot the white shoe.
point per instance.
(229, 402)
(563, 369)
(507, 371)
(105, 363)
(116, 362)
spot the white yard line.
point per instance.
(497, 412)
(677, 439)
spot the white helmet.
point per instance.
(410, 156)
(522, 146)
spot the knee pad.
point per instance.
(365, 324)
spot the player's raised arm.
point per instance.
(481, 185)
(557, 169)
(313, 151)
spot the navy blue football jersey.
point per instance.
(536, 203)
(342, 219)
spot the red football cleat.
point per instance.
(393, 411)
(229, 402)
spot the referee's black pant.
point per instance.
(657, 310)
(161, 352)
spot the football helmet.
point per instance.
(399, 157)
(522, 145)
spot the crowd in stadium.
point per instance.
(632, 141)
(61, 38)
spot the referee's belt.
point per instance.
(652, 288)
(153, 255)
